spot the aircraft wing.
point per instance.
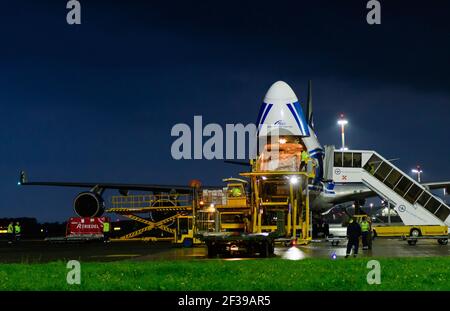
(123, 188)
(360, 195)
(438, 185)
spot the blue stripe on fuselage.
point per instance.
(266, 113)
(304, 124)
(261, 111)
(296, 118)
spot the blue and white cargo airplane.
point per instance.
(282, 112)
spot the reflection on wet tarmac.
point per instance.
(28, 251)
(293, 253)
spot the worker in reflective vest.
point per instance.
(236, 192)
(246, 224)
(11, 232)
(365, 230)
(305, 158)
(17, 230)
(106, 230)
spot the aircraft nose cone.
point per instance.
(280, 92)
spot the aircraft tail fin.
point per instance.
(23, 178)
(309, 106)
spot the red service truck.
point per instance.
(85, 228)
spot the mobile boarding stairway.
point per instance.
(415, 204)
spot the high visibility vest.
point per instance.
(17, 229)
(365, 226)
(106, 227)
(236, 192)
(305, 156)
(10, 228)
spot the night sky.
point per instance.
(96, 102)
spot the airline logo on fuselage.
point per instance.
(280, 123)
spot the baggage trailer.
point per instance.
(223, 243)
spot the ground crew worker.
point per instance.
(304, 159)
(370, 236)
(106, 230)
(11, 232)
(353, 234)
(246, 224)
(326, 229)
(236, 192)
(372, 168)
(17, 230)
(365, 229)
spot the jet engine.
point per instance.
(89, 204)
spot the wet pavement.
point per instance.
(41, 251)
(38, 251)
(382, 247)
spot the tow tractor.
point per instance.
(234, 243)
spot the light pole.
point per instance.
(342, 122)
(389, 212)
(417, 171)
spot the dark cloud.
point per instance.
(97, 101)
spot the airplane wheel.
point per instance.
(415, 232)
(443, 241)
(412, 242)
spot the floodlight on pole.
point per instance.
(417, 171)
(343, 122)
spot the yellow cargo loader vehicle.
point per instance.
(276, 209)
